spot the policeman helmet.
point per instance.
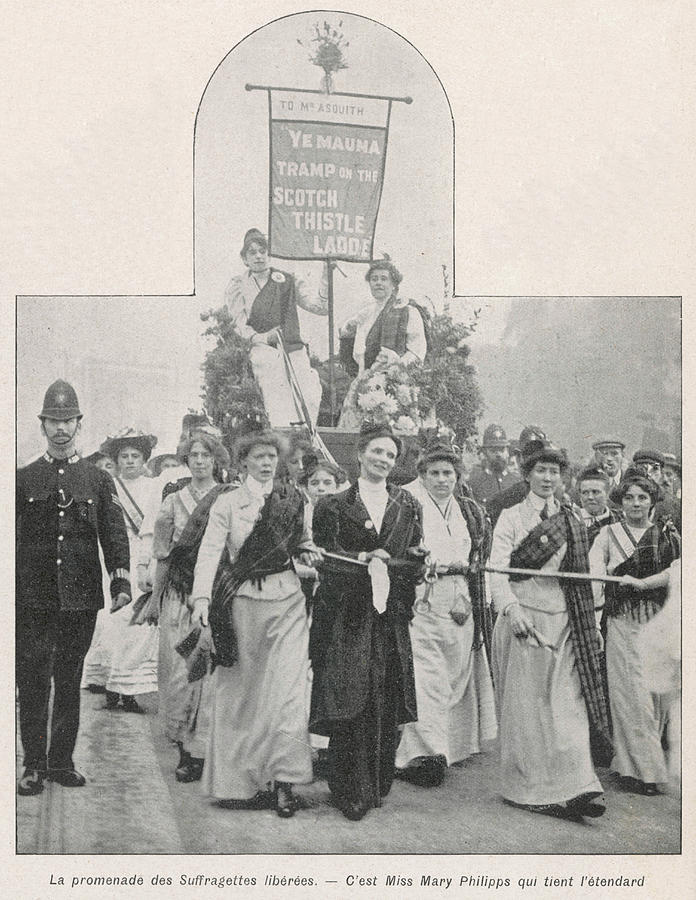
(494, 436)
(60, 402)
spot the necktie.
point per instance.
(544, 514)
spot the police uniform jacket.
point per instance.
(485, 484)
(65, 508)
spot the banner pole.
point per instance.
(332, 383)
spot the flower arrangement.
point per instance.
(386, 395)
(328, 52)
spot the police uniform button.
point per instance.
(61, 513)
(61, 471)
(58, 562)
(90, 500)
(31, 499)
(61, 537)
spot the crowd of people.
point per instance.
(299, 626)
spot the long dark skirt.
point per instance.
(363, 749)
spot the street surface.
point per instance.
(132, 804)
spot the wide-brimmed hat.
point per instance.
(60, 402)
(155, 462)
(129, 437)
(534, 452)
(636, 475)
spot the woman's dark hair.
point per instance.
(635, 476)
(256, 439)
(440, 453)
(370, 433)
(388, 266)
(253, 236)
(213, 446)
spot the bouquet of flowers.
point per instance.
(386, 395)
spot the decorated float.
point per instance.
(327, 164)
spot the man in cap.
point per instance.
(66, 508)
(671, 475)
(608, 455)
(516, 493)
(492, 476)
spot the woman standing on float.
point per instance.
(360, 649)
(263, 304)
(390, 329)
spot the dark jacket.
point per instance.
(341, 638)
(485, 484)
(64, 510)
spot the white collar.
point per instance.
(538, 503)
(258, 488)
(70, 459)
(372, 487)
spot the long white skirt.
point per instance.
(544, 731)
(131, 650)
(258, 728)
(454, 692)
(271, 376)
(638, 716)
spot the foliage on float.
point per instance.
(442, 394)
(232, 398)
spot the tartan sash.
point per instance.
(480, 534)
(388, 330)
(655, 551)
(532, 553)
(583, 633)
(537, 547)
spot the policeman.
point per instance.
(492, 476)
(516, 493)
(65, 509)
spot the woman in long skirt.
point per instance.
(131, 649)
(360, 649)
(636, 549)
(546, 653)
(256, 611)
(454, 692)
(180, 700)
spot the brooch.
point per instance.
(369, 524)
(278, 277)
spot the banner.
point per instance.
(327, 155)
